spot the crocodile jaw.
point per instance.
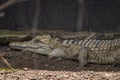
(39, 48)
(32, 47)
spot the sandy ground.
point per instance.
(38, 67)
(59, 75)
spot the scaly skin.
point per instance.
(94, 51)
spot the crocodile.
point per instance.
(85, 51)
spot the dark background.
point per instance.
(99, 15)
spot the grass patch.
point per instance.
(8, 69)
(9, 32)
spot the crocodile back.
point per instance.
(101, 44)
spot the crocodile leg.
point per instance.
(56, 53)
(116, 57)
(82, 58)
(90, 36)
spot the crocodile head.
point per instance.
(39, 44)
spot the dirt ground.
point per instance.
(38, 67)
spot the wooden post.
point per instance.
(81, 11)
(36, 18)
